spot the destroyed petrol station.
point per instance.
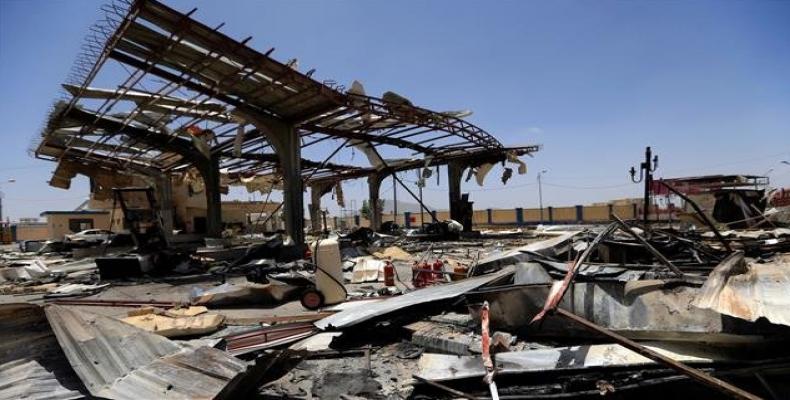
(157, 288)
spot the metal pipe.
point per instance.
(554, 300)
(394, 176)
(699, 212)
(444, 387)
(647, 245)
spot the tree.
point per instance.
(365, 210)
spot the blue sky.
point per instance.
(705, 83)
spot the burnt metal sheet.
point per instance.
(445, 367)
(358, 315)
(749, 290)
(442, 338)
(118, 361)
(549, 247)
(597, 271)
(652, 313)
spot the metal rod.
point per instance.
(700, 213)
(693, 373)
(444, 387)
(304, 180)
(552, 302)
(115, 303)
(394, 176)
(766, 386)
(649, 247)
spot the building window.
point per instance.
(80, 224)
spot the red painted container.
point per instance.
(389, 274)
(438, 268)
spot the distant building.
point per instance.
(100, 211)
(61, 223)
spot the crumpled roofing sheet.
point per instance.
(27, 379)
(118, 361)
(749, 290)
(549, 247)
(357, 315)
(32, 365)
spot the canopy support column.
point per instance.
(317, 190)
(460, 207)
(209, 170)
(374, 206)
(284, 139)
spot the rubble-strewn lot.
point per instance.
(657, 312)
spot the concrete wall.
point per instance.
(595, 213)
(480, 217)
(234, 212)
(533, 214)
(503, 216)
(35, 231)
(598, 213)
(626, 210)
(564, 214)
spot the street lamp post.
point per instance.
(646, 170)
(540, 194)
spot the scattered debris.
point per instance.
(229, 294)
(169, 325)
(694, 305)
(393, 253)
(119, 361)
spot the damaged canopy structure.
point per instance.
(195, 98)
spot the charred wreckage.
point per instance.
(649, 307)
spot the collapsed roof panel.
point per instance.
(358, 315)
(32, 365)
(116, 360)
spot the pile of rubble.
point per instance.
(582, 311)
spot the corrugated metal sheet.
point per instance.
(357, 315)
(119, 361)
(27, 379)
(749, 291)
(443, 367)
(32, 365)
